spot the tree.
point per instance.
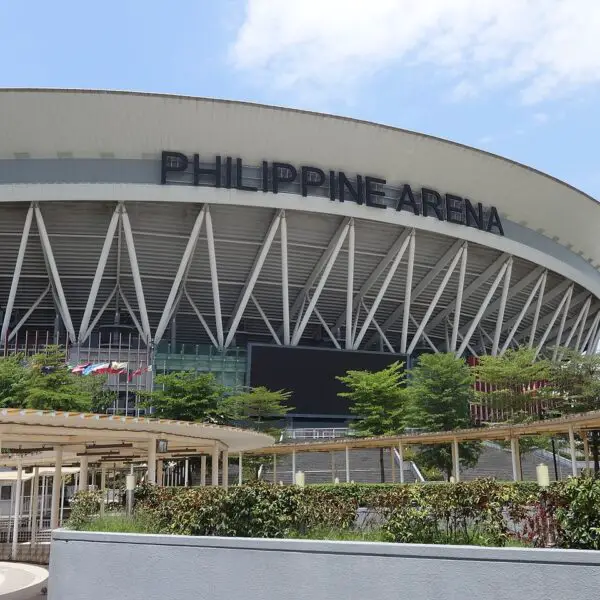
(186, 396)
(441, 390)
(378, 399)
(12, 375)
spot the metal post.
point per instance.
(515, 454)
(274, 469)
(573, 453)
(214, 277)
(350, 286)
(186, 474)
(103, 487)
(83, 474)
(407, 292)
(56, 481)
(62, 499)
(160, 473)
(285, 291)
(401, 461)
(17, 514)
(455, 461)
(225, 456)
(35, 492)
(152, 461)
(347, 464)
(503, 299)
(333, 467)
(203, 470)
(459, 299)
(215, 466)
(293, 466)
(586, 449)
(241, 468)
(392, 465)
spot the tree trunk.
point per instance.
(381, 465)
(554, 459)
(596, 452)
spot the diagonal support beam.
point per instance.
(459, 299)
(502, 307)
(590, 335)
(285, 287)
(561, 327)
(380, 332)
(425, 336)
(16, 274)
(581, 318)
(566, 298)
(408, 292)
(484, 305)
(326, 328)
(132, 314)
(324, 276)
(384, 286)
(252, 278)
(135, 272)
(350, 285)
(99, 314)
(91, 301)
(29, 312)
(435, 299)
(261, 312)
(214, 277)
(582, 328)
(201, 319)
(54, 276)
(175, 292)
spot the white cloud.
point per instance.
(540, 118)
(546, 48)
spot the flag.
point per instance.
(139, 372)
(96, 369)
(78, 370)
(117, 368)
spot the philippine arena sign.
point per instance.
(373, 192)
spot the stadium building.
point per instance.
(275, 247)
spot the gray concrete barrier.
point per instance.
(96, 566)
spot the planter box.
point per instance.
(96, 566)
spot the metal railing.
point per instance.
(317, 433)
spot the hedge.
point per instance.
(478, 512)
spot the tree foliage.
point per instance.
(440, 391)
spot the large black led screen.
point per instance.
(310, 374)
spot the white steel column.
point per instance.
(186, 474)
(380, 332)
(266, 320)
(56, 481)
(583, 322)
(215, 466)
(17, 512)
(455, 461)
(309, 309)
(435, 300)
(401, 461)
(502, 308)
(29, 312)
(573, 452)
(561, 327)
(83, 474)
(350, 286)
(201, 319)
(99, 314)
(482, 308)
(558, 310)
(538, 307)
(285, 288)
(425, 336)
(135, 272)
(225, 467)
(459, 299)
(589, 335)
(380, 294)
(53, 275)
(240, 468)
(91, 301)
(274, 469)
(326, 328)
(179, 276)
(152, 461)
(581, 317)
(214, 277)
(515, 454)
(251, 281)
(103, 484)
(35, 501)
(524, 310)
(203, 470)
(293, 467)
(16, 275)
(347, 464)
(408, 292)
(586, 449)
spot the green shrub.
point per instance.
(84, 506)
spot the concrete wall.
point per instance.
(89, 566)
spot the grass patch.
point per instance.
(118, 523)
(343, 535)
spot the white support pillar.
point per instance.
(240, 468)
(160, 472)
(293, 467)
(347, 451)
(382, 335)
(401, 461)
(251, 281)
(186, 475)
(53, 274)
(326, 328)
(91, 301)
(152, 461)
(203, 470)
(459, 299)
(350, 286)
(214, 277)
(56, 481)
(332, 467)
(103, 484)
(581, 317)
(455, 461)
(425, 336)
(435, 300)
(561, 327)
(35, 501)
(179, 276)
(392, 465)
(381, 293)
(558, 310)
(584, 318)
(215, 466)
(538, 308)
(225, 468)
(17, 513)
(16, 275)
(29, 312)
(410, 268)
(573, 452)
(201, 319)
(586, 449)
(502, 308)
(285, 288)
(261, 312)
(515, 454)
(83, 474)
(484, 305)
(274, 469)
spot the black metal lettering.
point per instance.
(215, 172)
(454, 211)
(307, 180)
(172, 162)
(432, 199)
(282, 173)
(407, 197)
(345, 184)
(494, 221)
(474, 218)
(372, 193)
(238, 178)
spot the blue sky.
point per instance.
(521, 79)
